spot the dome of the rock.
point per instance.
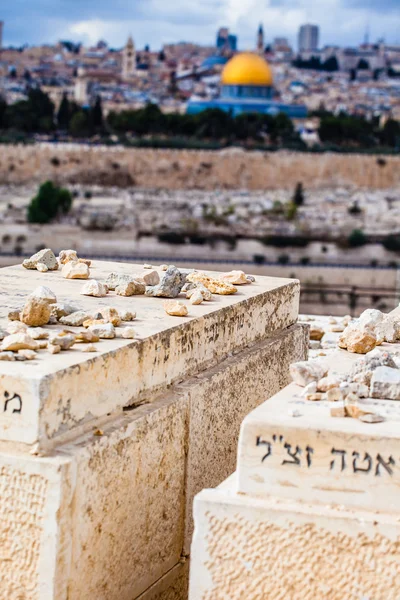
(247, 69)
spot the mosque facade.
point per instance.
(247, 87)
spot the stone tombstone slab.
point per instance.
(317, 458)
(42, 400)
(247, 548)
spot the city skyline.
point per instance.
(341, 22)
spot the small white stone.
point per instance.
(105, 331)
(126, 315)
(294, 412)
(175, 308)
(94, 288)
(89, 348)
(44, 293)
(53, 349)
(164, 267)
(196, 297)
(146, 266)
(75, 270)
(305, 372)
(42, 268)
(18, 341)
(27, 354)
(16, 327)
(128, 333)
(150, 277)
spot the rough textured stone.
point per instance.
(306, 372)
(94, 288)
(64, 339)
(75, 270)
(86, 336)
(371, 418)
(76, 319)
(16, 327)
(170, 285)
(216, 286)
(66, 256)
(60, 309)
(354, 340)
(38, 333)
(196, 297)
(13, 315)
(44, 293)
(36, 312)
(42, 268)
(385, 383)
(234, 277)
(7, 356)
(115, 279)
(106, 332)
(27, 354)
(45, 256)
(150, 277)
(127, 315)
(131, 288)
(89, 348)
(18, 341)
(175, 308)
(363, 368)
(128, 333)
(111, 315)
(316, 333)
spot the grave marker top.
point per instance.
(52, 394)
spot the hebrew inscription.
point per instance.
(12, 403)
(340, 459)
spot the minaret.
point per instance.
(129, 59)
(260, 40)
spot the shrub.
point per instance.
(291, 211)
(357, 238)
(49, 202)
(283, 259)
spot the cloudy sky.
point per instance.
(161, 21)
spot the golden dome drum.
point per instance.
(247, 69)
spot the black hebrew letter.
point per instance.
(367, 468)
(8, 400)
(342, 453)
(296, 459)
(260, 442)
(309, 452)
(385, 465)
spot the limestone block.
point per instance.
(248, 548)
(172, 586)
(219, 400)
(329, 460)
(68, 390)
(35, 542)
(101, 519)
(385, 383)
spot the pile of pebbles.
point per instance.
(24, 335)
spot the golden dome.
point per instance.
(247, 69)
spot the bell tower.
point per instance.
(260, 40)
(129, 59)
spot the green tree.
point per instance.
(298, 196)
(390, 134)
(79, 125)
(3, 108)
(97, 114)
(63, 115)
(357, 238)
(363, 64)
(50, 202)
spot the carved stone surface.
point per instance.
(68, 389)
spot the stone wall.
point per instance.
(179, 169)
